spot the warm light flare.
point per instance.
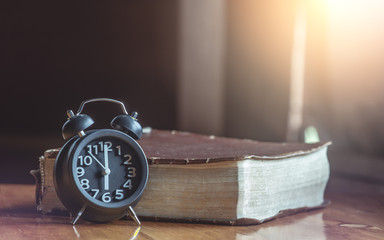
(356, 49)
(356, 56)
(295, 115)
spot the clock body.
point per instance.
(101, 174)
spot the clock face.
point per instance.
(108, 169)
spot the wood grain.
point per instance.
(350, 216)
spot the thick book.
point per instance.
(198, 178)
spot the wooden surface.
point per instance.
(350, 216)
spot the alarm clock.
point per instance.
(100, 174)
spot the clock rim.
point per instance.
(82, 142)
(74, 199)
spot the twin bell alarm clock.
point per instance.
(100, 174)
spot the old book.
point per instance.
(200, 178)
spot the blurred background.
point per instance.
(263, 70)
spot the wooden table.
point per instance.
(350, 216)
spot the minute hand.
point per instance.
(107, 170)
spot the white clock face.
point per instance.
(108, 169)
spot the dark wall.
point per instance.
(54, 55)
(258, 69)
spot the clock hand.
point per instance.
(107, 170)
(90, 153)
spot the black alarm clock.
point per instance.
(100, 175)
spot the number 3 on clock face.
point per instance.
(107, 171)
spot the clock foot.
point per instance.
(78, 215)
(133, 215)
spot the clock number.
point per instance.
(118, 150)
(108, 146)
(129, 160)
(106, 197)
(87, 160)
(101, 146)
(128, 184)
(119, 194)
(96, 191)
(84, 183)
(94, 147)
(80, 171)
(131, 172)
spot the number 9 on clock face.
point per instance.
(107, 170)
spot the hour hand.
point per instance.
(90, 153)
